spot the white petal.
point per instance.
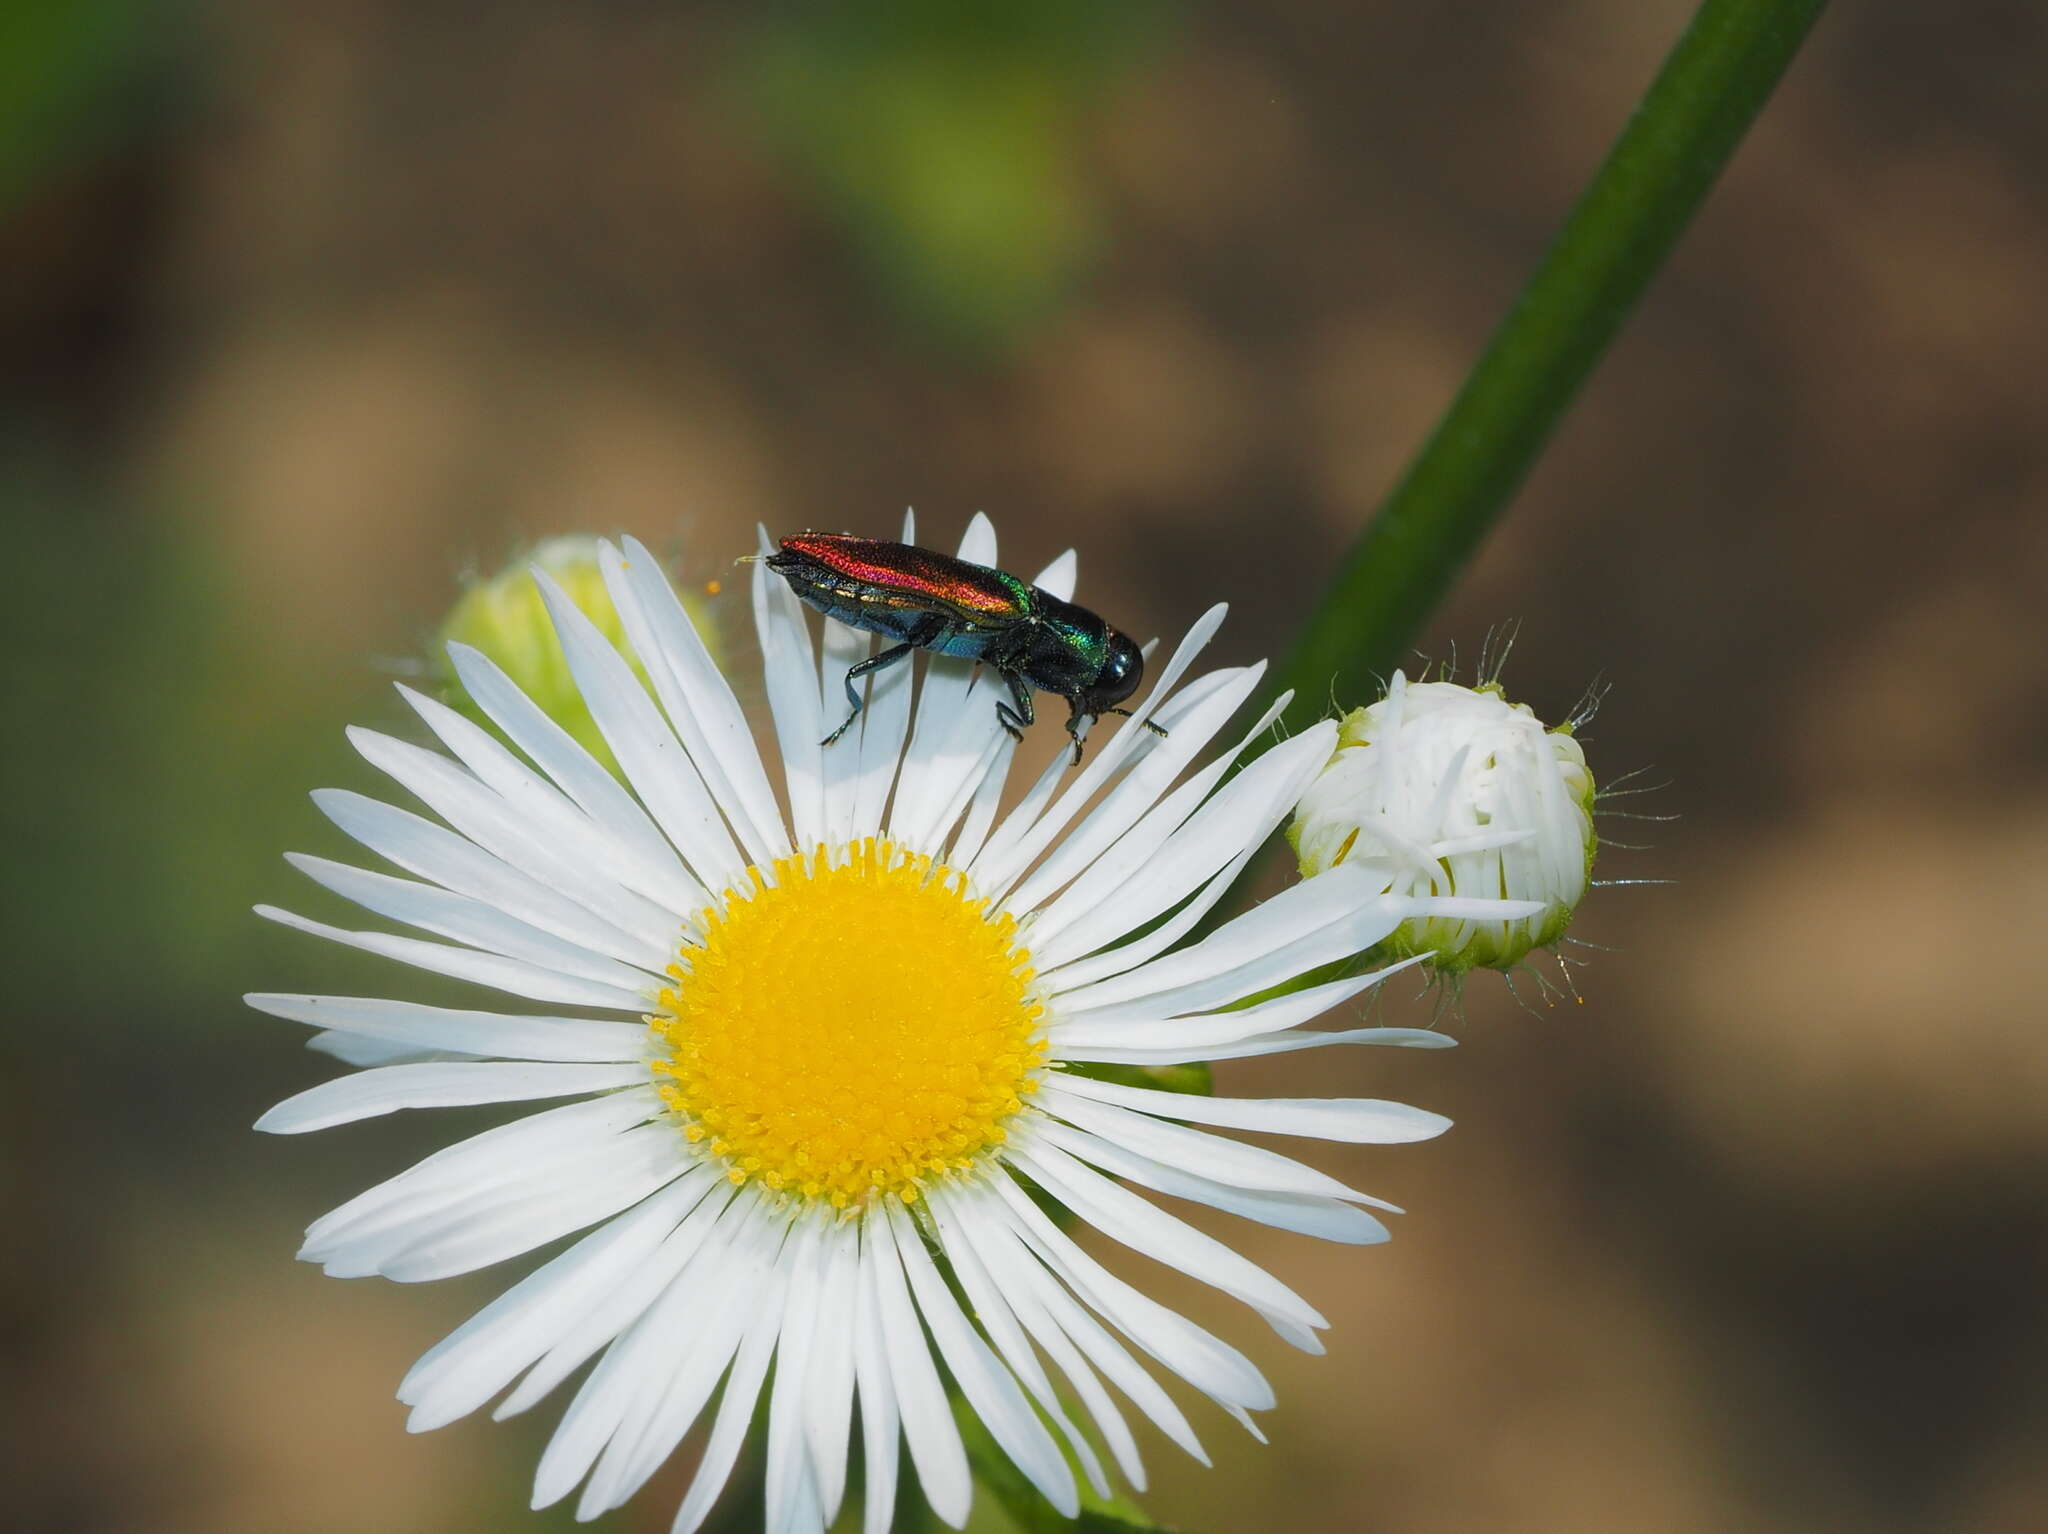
(456, 863)
(1242, 814)
(635, 1368)
(993, 763)
(386, 1089)
(468, 921)
(1067, 926)
(791, 675)
(649, 864)
(828, 1393)
(483, 1164)
(709, 1323)
(723, 1314)
(1064, 1327)
(641, 860)
(882, 727)
(655, 764)
(1055, 1317)
(843, 648)
(1144, 1227)
(880, 1435)
(483, 1355)
(677, 1352)
(1140, 790)
(577, 1195)
(698, 699)
(981, 809)
(956, 728)
(1205, 1155)
(1131, 850)
(884, 723)
(990, 1389)
(978, 543)
(1058, 578)
(1352, 1120)
(928, 1425)
(1264, 1044)
(1269, 1016)
(1191, 698)
(409, 1025)
(1243, 1418)
(1304, 1214)
(509, 975)
(800, 1511)
(486, 819)
(1016, 845)
(1207, 1362)
(950, 758)
(1071, 976)
(788, 1464)
(1308, 924)
(735, 1407)
(1022, 816)
(360, 1049)
(613, 1313)
(999, 1320)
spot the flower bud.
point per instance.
(1451, 790)
(504, 617)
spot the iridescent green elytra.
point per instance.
(929, 601)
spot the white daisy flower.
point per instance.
(826, 1044)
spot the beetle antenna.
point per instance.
(1156, 729)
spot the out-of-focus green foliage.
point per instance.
(71, 74)
(143, 792)
(1007, 1503)
(947, 139)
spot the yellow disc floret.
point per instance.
(850, 1026)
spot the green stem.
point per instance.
(1681, 135)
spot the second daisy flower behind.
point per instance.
(817, 1046)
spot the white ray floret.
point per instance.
(835, 1048)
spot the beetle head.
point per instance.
(1122, 670)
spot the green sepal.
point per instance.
(1193, 1079)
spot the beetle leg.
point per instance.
(1074, 726)
(1016, 720)
(872, 664)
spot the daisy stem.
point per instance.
(1688, 124)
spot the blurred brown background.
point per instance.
(309, 309)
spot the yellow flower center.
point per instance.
(850, 1026)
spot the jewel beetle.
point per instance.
(925, 600)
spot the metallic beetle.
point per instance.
(930, 601)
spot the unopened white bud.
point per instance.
(1450, 790)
